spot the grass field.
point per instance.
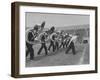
(59, 57)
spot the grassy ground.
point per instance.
(59, 57)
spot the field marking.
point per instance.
(82, 57)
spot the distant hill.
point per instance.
(73, 27)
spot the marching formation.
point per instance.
(55, 39)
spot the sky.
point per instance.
(57, 20)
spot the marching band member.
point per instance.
(52, 39)
(66, 39)
(71, 45)
(57, 40)
(43, 39)
(30, 42)
(62, 39)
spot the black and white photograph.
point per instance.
(52, 39)
(56, 39)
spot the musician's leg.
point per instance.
(46, 52)
(50, 45)
(40, 49)
(30, 50)
(53, 46)
(57, 45)
(67, 43)
(68, 48)
(61, 45)
(73, 48)
(27, 52)
(64, 44)
(31, 53)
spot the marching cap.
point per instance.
(36, 27)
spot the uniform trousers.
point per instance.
(43, 45)
(71, 46)
(30, 50)
(51, 45)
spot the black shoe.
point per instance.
(32, 59)
(74, 54)
(46, 53)
(38, 53)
